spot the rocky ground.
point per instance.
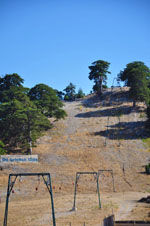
(97, 134)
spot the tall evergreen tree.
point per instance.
(80, 93)
(70, 92)
(45, 98)
(98, 73)
(11, 87)
(136, 75)
(23, 114)
(21, 123)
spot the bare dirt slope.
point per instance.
(97, 134)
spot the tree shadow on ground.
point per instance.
(92, 101)
(145, 199)
(108, 98)
(125, 131)
(113, 112)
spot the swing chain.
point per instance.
(95, 176)
(48, 180)
(78, 176)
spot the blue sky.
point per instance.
(54, 41)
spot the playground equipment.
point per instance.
(76, 181)
(11, 182)
(112, 175)
(96, 176)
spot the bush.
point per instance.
(80, 94)
(2, 150)
(147, 168)
(148, 118)
(105, 86)
(66, 98)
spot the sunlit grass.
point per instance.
(147, 142)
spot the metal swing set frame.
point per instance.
(11, 182)
(75, 189)
(97, 174)
(101, 171)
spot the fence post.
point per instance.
(109, 221)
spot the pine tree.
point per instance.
(45, 98)
(21, 123)
(80, 93)
(70, 92)
(23, 113)
(11, 87)
(136, 75)
(98, 73)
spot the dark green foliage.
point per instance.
(136, 75)
(2, 150)
(147, 168)
(66, 97)
(70, 92)
(24, 112)
(10, 80)
(80, 94)
(96, 88)
(60, 94)
(126, 75)
(148, 116)
(45, 98)
(104, 86)
(11, 87)
(139, 91)
(21, 123)
(148, 111)
(98, 73)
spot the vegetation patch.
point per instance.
(2, 150)
(146, 142)
(147, 168)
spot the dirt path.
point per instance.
(72, 123)
(126, 202)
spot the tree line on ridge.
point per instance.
(24, 112)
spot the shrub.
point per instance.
(2, 150)
(147, 168)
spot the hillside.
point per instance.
(104, 133)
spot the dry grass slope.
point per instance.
(97, 134)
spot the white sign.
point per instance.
(19, 158)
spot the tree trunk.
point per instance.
(29, 136)
(134, 103)
(100, 85)
(30, 147)
(29, 143)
